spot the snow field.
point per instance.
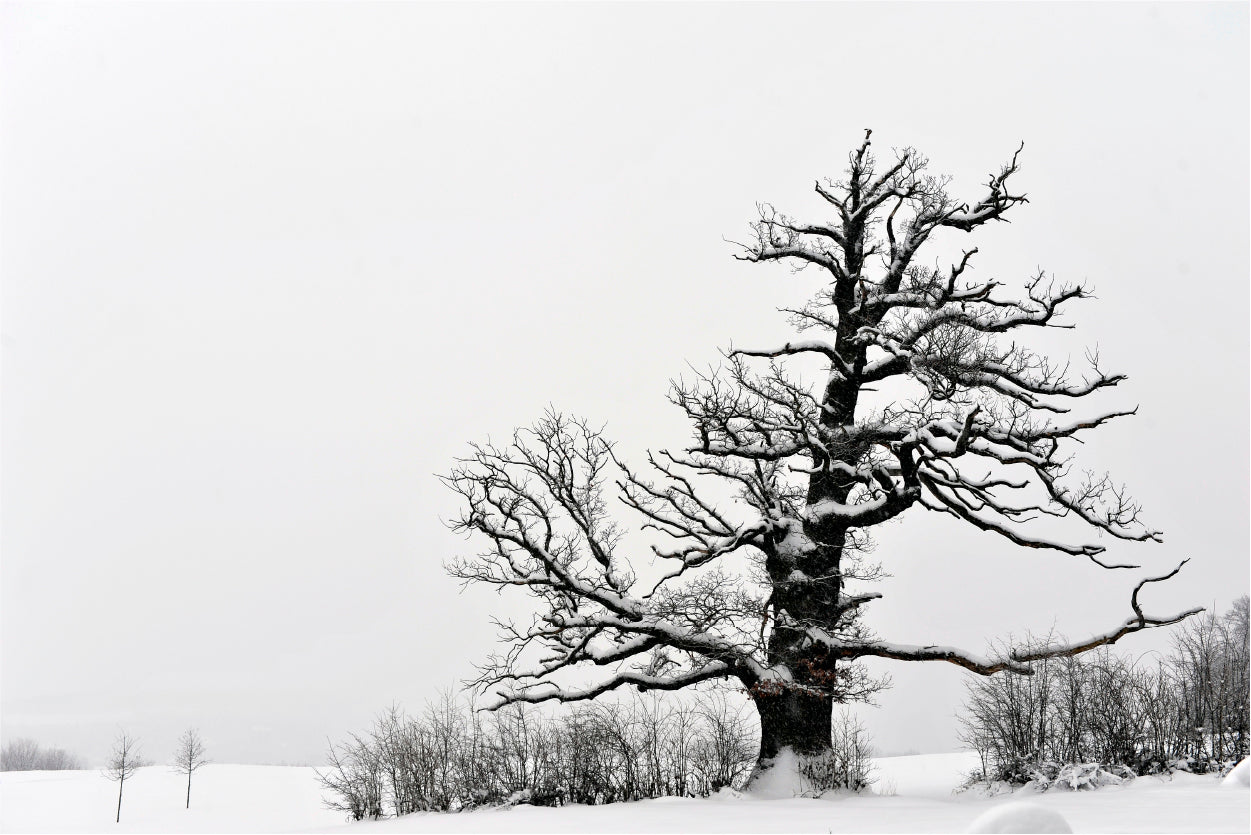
(914, 795)
(224, 798)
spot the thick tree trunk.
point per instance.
(793, 719)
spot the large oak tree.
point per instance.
(763, 583)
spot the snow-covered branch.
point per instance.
(541, 503)
(1016, 660)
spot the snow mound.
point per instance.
(1240, 776)
(778, 778)
(1080, 776)
(1020, 817)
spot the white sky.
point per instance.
(268, 268)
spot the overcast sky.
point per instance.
(268, 268)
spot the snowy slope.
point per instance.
(224, 798)
(242, 798)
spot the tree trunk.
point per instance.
(121, 784)
(188, 789)
(793, 719)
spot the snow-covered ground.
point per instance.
(914, 796)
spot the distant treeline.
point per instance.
(27, 755)
(1184, 711)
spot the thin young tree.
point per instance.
(189, 757)
(766, 516)
(124, 761)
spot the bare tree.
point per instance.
(189, 757)
(124, 761)
(764, 520)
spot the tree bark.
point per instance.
(793, 719)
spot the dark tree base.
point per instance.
(793, 719)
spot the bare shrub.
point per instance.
(1185, 711)
(28, 755)
(354, 779)
(725, 753)
(20, 755)
(454, 757)
(1209, 666)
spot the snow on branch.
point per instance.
(1014, 660)
(541, 503)
(993, 206)
(814, 346)
(549, 691)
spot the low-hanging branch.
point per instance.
(1015, 660)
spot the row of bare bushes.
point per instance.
(454, 757)
(1187, 710)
